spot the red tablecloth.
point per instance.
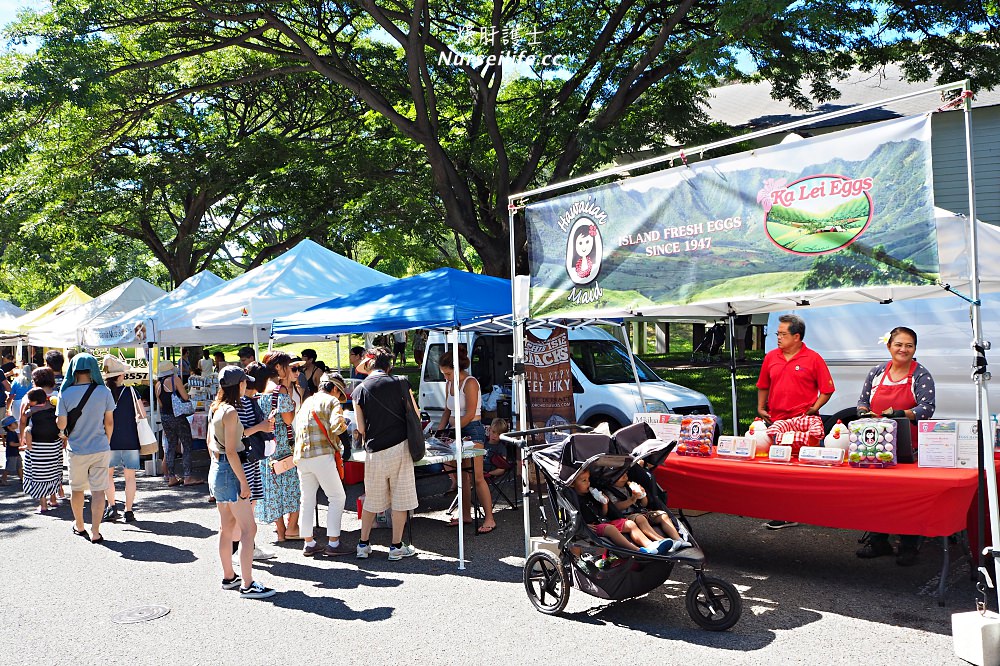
(905, 499)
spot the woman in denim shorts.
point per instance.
(228, 484)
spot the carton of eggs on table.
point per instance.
(872, 443)
(697, 434)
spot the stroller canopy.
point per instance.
(564, 461)
(639, 441)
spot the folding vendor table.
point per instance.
(905, 499)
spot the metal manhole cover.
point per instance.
(140, 614)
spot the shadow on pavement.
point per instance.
(148, 551)
(180, 528)
(333, 609)
(338, 578)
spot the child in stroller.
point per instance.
(631, 534)
(630, 500)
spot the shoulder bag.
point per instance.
(147, 440)
(74, 414)
(338, 459)
(414, 431)
(181, 407)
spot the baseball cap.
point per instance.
(231, 375)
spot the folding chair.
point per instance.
(509, 479)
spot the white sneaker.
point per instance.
(261, 554)
(364, 551)
(399, 553)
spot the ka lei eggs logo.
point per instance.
(817, 214)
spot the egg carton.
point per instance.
(872, 443)
(696, 437)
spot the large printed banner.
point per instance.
(843, 210)
(549, 379)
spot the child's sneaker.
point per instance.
(399, 553)
(231, 583)
(663, 546)
(256, 591)
(649, 550)
(680, 544)
(364, 550)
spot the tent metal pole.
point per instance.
(732, 369)
(632, 167)
(456, 414)
(517, 381)
(154, 409)
(980, 374)
(256, 342)
(635, 368)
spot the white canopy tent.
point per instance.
(134, 327)
(243, 309)
(8, 314)
(64, 329)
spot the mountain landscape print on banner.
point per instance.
(846, 209)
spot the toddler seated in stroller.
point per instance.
(630, 500)
(634, 533)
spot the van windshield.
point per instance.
(607, 362)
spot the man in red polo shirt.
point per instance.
(794, 381)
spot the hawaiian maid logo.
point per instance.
(584, 248)
(817, 214)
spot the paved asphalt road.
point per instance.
(807, 598)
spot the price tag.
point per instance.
(780, 453)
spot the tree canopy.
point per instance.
(453, 105)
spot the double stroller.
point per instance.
(711, 345)
(575, 549)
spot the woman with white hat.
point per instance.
(176, 429)
(124, 437)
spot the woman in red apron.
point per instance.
(901, 388)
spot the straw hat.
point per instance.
(165, 368)
(112, 366)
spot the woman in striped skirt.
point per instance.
(43, 467)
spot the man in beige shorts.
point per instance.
(389, 479)
(85, 416)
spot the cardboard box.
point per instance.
(937, 442)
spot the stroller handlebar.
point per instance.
(518, 437)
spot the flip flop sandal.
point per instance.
(454, 522)
(81, 533)
(99, 539)
(485, 530)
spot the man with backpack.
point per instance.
(85, 418)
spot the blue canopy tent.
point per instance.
(442, 299)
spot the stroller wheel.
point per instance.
(545, 582)
(713, 603)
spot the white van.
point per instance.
(603, 385)
(848, 337)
